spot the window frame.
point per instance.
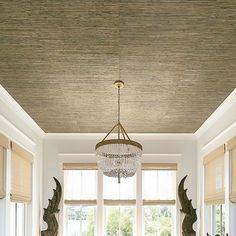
(138, 204)
(24, 219)
(80, 202)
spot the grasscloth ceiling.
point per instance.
(58, 59)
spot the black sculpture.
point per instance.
(187, 208)
(49, 212)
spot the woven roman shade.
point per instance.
(159, 166)
(80, 183)
(231, 145)
(80, 166)
(162, 177)
(214, 176)
(4, 144)
(21, 174)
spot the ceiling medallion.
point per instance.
(119, 157)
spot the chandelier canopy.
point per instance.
(119, 157)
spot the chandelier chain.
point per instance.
(118, 104)
(118, 112)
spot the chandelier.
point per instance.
(118, 157)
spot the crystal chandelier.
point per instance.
(119, 157)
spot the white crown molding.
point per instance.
(11, 103)
(15, 135)
(222, 137)
(135, 136)
(217, 114)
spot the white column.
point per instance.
(178, 220)
(100, 217)
(139, 203)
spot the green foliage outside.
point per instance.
(89, 231)
(158, 221)
(220, 219)
(82, 219)
(120, 221)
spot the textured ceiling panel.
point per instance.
(58, 59)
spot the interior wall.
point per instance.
(217, 130)
(160, 148)
(19, 127)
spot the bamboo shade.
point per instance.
(158, 202)
(214, 176)
(4, 143)
(81, 202)
(111, 202)
(159, 166)
(232, 148)
(79, 166)
(21, 174)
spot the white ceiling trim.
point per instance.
(10, 102)
(16, 135)
(217, 114)
(139, 136)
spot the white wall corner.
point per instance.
(19, 112)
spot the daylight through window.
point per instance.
(119, 202)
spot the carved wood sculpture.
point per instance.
(49, 212)
(187, 208)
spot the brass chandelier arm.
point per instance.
(124, 131)
(123, 134)
(110, 131)
(121, 130)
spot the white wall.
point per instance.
(178, 148)
(19, 127)
(217, 130)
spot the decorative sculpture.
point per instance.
(49, 212)
(187, 208)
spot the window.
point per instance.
(219, 219)
(214, 188)
(119, 208)
(119, 220)
(80, 202)
(17, 219)
(119, 201)
(21, 188)
(159, 193)
(159, 220)
(80, 220)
